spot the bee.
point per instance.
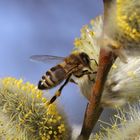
(74, 65)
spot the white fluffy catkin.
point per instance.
(123, 80)
(123, 83)
(125, 125)
(87, 43)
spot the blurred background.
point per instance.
(29, 27)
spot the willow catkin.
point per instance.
(24, 114)
(122, 29)
(125, 125)
(122, 84)
(87, 43)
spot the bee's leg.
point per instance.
(88, 73)
(72, 81)
(91, 79)
(58, 92)
(91, 75)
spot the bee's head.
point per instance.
(85, 59)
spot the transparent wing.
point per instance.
(46, 58)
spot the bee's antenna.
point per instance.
(94, 61)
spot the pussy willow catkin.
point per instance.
(123, 80)
(123, 27)
(24, 114)
(125, 125)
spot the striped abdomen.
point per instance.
(52, 78)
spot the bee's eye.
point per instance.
(85, 58)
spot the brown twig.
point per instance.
(93, 110)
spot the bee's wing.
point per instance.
(46, 58)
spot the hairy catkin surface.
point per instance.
(123, 26)
(24, 114)
(122, 85)
(125, 125)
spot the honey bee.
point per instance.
(76, 64)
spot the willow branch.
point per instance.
(93, 110)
